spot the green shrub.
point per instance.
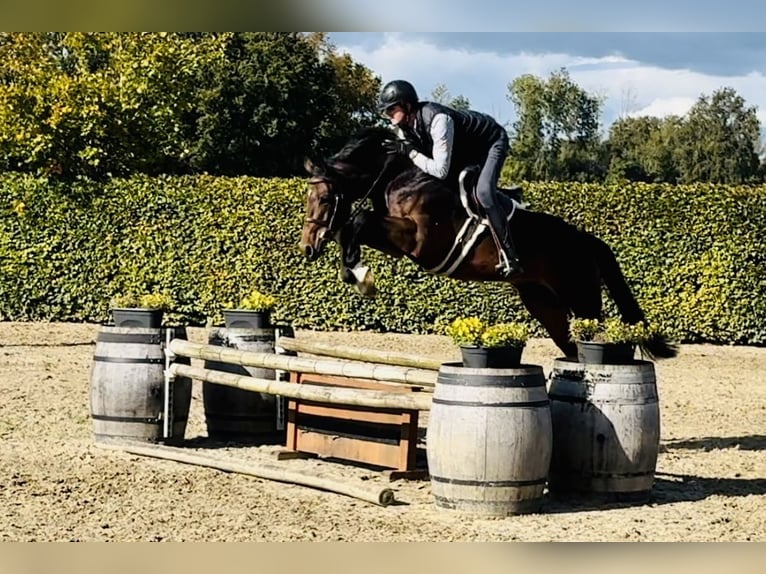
(693, 255)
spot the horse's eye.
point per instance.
(324, 199)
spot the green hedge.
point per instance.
(694, 255)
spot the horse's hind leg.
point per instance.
(546, 307)
(583, 297)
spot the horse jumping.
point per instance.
(421, 217)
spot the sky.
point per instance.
(637, 73)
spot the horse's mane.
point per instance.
(413, 177)
(365, 141)
(360, 152)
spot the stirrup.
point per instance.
(508, 267)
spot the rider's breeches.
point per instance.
(490, 172)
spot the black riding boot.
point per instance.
(509, 261)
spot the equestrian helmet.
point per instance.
(397, 92)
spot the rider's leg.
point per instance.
(486, 190)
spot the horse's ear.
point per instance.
(308, 165)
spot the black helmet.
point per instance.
(397, 92)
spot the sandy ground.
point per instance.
(56, 485)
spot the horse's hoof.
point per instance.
(367, 290)
(365, 282)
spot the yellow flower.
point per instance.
(257, 301)
(466, 331)
(505, 335)
(155, 301)
(611, 330)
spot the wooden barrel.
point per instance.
(606, 430)
(233, 414)
(127, 391)
(489, 439)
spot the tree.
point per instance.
(720, 140)
(96, 104)
(110, 104)
(275, 98)
(556, 130)
(441, 95)
(642, 149)
(353, 94)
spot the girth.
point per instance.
(475, 225)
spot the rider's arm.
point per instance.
(442, 134)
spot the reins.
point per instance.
(337, 197)
(359, 205)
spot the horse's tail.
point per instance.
(657, 345)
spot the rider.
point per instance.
(442, 141)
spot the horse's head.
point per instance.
(327, 208)
(335, 185)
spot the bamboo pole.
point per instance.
(307, 392)
(381, 497)
(350, 369)
(360, 354)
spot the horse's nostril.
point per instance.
(309, 251)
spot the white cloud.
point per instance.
(483, 77)
(661, 107)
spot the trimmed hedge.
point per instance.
(693, 254)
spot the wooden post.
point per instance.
(354, 370)
(382, 497)
(348, 396)
(360, 354)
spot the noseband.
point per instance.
(331, 223)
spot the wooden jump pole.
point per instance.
(360, 354)
(315, 393)
(376, 372)
(381, 497)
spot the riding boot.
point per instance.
(509, 261)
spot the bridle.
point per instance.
(330, 224)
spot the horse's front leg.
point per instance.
(352, 271)
(391, 235)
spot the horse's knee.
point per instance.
(352, 255)
(347, 276)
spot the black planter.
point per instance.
(596, 353)
(246, 319)
(137, 317)
(491, 357)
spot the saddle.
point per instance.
(475, 224)
(509, 197)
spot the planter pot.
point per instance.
(592, 352)
(491, 357)
(137, 317)
(246, 319)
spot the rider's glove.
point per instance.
(398, 146)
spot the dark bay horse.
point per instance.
(421, 217)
